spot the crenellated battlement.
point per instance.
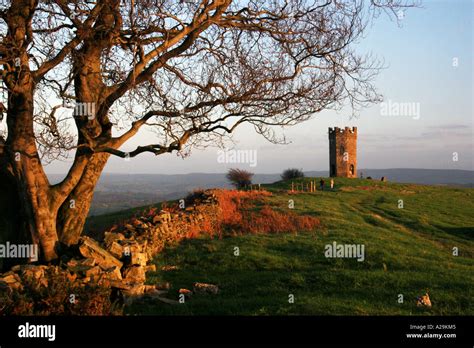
(346, 130)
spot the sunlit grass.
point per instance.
(409, 251)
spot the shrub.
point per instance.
(195, 197)
(239, 178)
(292, 173)
(54, 299)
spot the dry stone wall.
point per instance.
(122, 259)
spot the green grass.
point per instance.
(407, 251)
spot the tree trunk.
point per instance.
(11, 220)
(38, 208)
(89, 88)
(73, 212)
(50, 212)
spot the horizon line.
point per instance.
(276, 173)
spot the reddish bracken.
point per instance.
(151, 212)
(268, 220)
(205, 227)
(241, 214)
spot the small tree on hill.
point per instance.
(292, 173)
(239, 178)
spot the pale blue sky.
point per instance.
(419, 58)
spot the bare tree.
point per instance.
(192, 71)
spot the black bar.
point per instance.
(241, 330)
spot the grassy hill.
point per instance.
(408, 251)
(116, 192)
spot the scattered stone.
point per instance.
(185, 292)
(169, 268)
(12, 280)
(423, 300)
(205, 288)
(150, 288)
(89, 248)
(134, 290)
(134, 274)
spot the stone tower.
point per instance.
(343, 152)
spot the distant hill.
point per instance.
(424, 176)
(117, 192)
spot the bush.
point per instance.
(195, 197)
(239, 178)
(55, 298)
(292, 173)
